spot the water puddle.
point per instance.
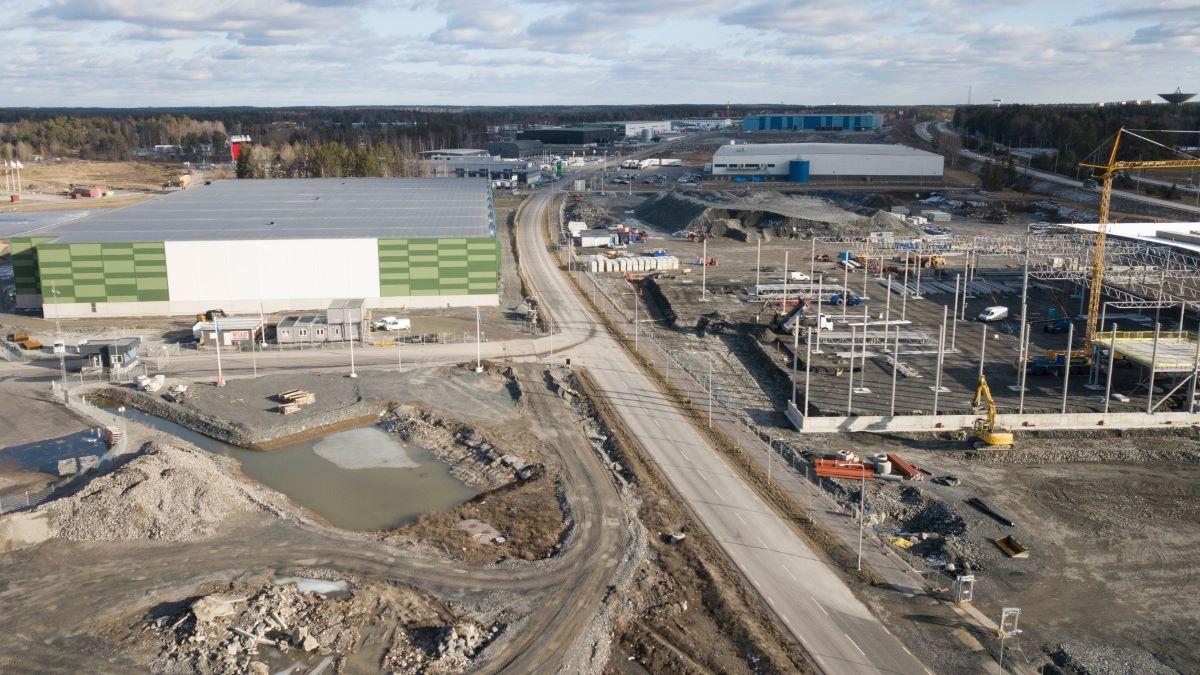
(358, 479)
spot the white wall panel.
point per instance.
(272, 269)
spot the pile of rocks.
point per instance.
(232, 632)
(472, 458)
(165, 492)
(1088, 657)
(452, 649)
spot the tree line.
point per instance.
(1079, 132)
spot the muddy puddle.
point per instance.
(357, 479)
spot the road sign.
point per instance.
(1009, 616)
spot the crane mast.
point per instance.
(1106, 173)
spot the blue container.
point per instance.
(798, 170)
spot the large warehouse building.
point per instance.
(813, 122)
(571, 135)
(800, 162)
(281, 245)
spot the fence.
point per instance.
(27, 500)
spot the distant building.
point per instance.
(799, 162)
(639, 129)
(508, 172)
(453, 152)
(705, 123)
(813, 122)
(516, 149)
(583, 135)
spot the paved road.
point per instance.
(809, 598)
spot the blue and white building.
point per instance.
(813, 122)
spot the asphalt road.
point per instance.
(807, 595)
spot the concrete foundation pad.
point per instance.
(942, 423)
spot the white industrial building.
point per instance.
(798, 162)
(639, 129)
(249, 246)
(706, 123)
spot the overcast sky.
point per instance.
(527, 52)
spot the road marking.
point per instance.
(789, 572)
(860, 651)
(906, 650)
(739, 517)
(770, 600)
(717, 493)
(762, 543)
(819, 605)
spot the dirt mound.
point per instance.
(773, 213)
(166, 493)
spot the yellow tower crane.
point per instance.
(1104, 174)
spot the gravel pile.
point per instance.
(1086, 657)
(1074, 448)
(165, 492)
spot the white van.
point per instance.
(992, 314)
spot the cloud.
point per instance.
(263, 22)
(1167, 10)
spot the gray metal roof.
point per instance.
(817, 149)
(299, 208)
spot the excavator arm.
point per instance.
(983, 393)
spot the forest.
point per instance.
(1078, 131)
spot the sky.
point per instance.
(127, 53)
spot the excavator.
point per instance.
(987, 433)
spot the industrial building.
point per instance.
(516, 149)
(813, 122)
(641, 130)
(800, 162)
(450, 153)
(247, 246)
(505, 172)
(705, 123)
(571, 135)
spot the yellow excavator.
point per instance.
(985, 428)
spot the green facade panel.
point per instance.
(25, 264)
(450, 266)
(115, 272)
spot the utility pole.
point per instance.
(704, 269)
(350, 335)
(478, 343)
(217, 332)
(862, 512)
(1067, 365)
(758, 263)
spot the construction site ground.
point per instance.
(672, 603)
(1102, 511)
